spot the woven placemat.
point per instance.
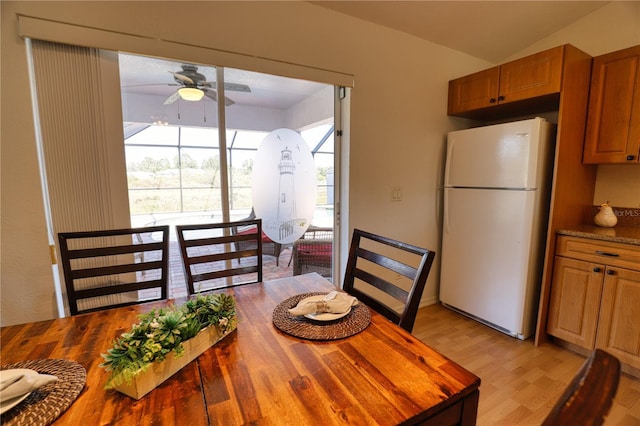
(354, 322)
(47, 403)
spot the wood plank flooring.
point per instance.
(520, 382)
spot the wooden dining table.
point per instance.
(259, 374)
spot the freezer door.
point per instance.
(510, 155)
(488, 252)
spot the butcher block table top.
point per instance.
(259, 374)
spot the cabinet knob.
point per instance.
(611, 272)
(492, 100)
(596, 269)
(500, 98)
(630, 157)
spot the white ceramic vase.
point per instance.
(605, 216)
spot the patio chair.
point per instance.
(378, 276)
(208, 251)
(111, 268)
(313, 252)
(269, 247)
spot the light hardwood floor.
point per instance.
(520, 382)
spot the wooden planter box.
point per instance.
(147, 380)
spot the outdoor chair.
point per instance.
(269, 247)
(208, 251)
(313, 252)
(110, 268)
(379, 274)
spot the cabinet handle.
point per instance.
(492, 100)
(611, 272)
(500, 98)
(630, 157)
(596, 269)
(605, 253)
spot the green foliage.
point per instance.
(161, 332)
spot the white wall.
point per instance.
(398, 116)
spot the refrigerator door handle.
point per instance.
(446, 211)
(448, 162)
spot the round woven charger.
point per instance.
(47, 403)
(354, 322)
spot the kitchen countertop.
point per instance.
(618, 234)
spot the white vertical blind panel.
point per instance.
(69, 89)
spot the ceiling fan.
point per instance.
(195, 86)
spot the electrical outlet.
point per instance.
(396, 194)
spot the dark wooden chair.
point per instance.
(313, 252)
(208, 251)
(588, 398)
(118, 267)
(379, 275)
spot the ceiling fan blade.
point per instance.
(233, 87)
(182, 77)
(211, 94)
(236, 87)
(172, 98)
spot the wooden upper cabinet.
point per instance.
(532, 76)
(524, 79)
(613, 121)
(474, 91)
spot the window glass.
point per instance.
(199, 136)
(200, 167)
(155, 135)
(247, 139)
(152, 168)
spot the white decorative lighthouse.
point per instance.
(286, 187)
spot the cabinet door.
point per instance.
(474, 91)
(613, 125)
(532, 76)
(619, 325)
(575, 301)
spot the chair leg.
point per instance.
(277, 249)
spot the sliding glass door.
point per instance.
(188, 161)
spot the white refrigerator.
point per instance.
(496, 197)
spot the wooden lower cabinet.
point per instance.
(619, 321)
(575, 301)
(597, 304)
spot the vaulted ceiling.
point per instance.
(490, 30)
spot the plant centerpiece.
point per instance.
(165, 340)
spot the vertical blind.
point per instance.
(84, 160)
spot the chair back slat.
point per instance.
(374, 275)
(208, 251)
(381, 284)
(120, 288)
(387, 262)
(118, 267)
(110, 251)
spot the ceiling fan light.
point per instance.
(190, 93)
